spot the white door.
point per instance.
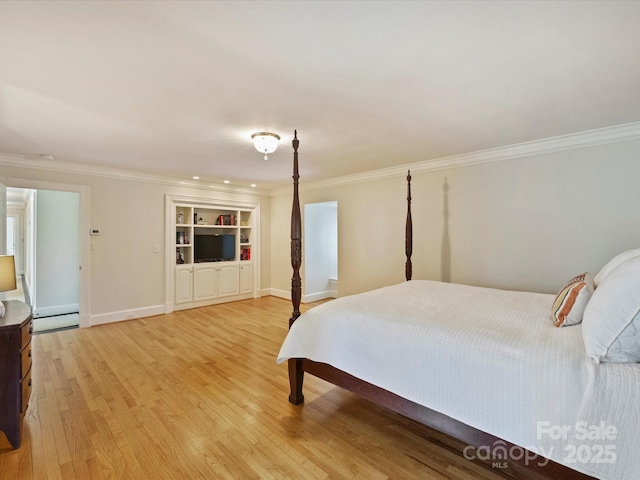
(3, 219)
(184, 284)
(228, 280)
(246, 274)
(12, 234)
(205, 279)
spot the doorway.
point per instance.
(49, 237)
(320, 251)
(61, 236)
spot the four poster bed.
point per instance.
(485, 366)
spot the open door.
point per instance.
(3, 219)
(3, 226)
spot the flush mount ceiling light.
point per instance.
(265, 142)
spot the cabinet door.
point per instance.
(205, 280)
(246, 274)
(184, 285)
(227, 280)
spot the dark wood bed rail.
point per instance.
(377, 395)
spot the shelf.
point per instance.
(216, 226)
(199, 283)
(218, 221)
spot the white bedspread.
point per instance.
(489, 358)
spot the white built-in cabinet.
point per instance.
(246, 274)
(184, 284)
(204, 271)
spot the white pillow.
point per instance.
(611, 323)
(613, 263)
(568, 307)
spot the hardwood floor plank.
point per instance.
(197, 395)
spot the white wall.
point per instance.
(57, 253)
(126, 274)
(370, 235)
(529, 223)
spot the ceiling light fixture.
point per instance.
(265, 142)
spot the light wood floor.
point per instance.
(197, 395)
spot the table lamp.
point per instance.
(7, 277)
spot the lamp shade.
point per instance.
(7, 273)
(265, 142)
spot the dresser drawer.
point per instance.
(16, 345)
(25, 333)
(26, 360)
(26, 392)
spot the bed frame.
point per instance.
(442, 423)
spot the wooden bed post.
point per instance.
(408, 234)
(379, 396)
(296, 367)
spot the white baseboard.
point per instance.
(122, 315)
(55, 310)
(314, 297)
(276, 293)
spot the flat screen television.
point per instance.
(214, 248)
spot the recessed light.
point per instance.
(253, 184)
(195, 177)
(227, 181)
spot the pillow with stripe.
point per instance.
(571, 301)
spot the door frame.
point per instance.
(84, 294)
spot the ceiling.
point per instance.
(177, 88)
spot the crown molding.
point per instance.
(20, 161)
(591, 138)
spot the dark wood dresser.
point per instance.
(15, 368)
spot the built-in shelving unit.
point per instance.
(214, 252)
(193, 222)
